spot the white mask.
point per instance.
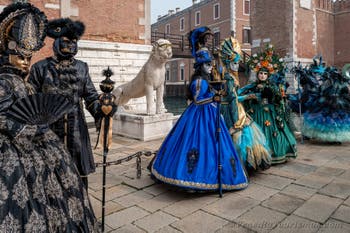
(234, 66)
(207, 68)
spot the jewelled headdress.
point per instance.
(22, 29)
(230, 51)
(266, 60)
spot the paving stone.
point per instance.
(337, 188)
(156, 189)
(272, 181)
(155, 221)
(315, 159)
(114, 192)
(128, 229)
(233, 228)
(260, 219)
(282, 173)
(139, 183)
(345, 176)
(125, 217)
(283, 203)
(314, 181)
(318, 208)
(95, 181)
(298, 167)
(188, 206)
(133, 198)
(168, 229)
(342, 213)
(230, 207)
(110, 207)
(347, 202)
(334, 226)
(338, 163)
(329, 171)
(199, 222)
(295, 224)
(299, 191)
(258, 192)
(160, 201)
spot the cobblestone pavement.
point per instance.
(308, 194)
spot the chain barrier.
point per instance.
(137, 155)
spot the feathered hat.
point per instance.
(65, 27)
(196, 39)
(230, 51)
(22, 29)
(266, 60)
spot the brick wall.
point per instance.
(271, 21)
(341, 33)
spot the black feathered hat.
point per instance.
(65, 27)
(22, 29)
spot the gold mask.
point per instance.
(20, 62)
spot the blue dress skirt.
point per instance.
(189, 155)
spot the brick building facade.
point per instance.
(223, 17)
(301, 29)
(117, 34)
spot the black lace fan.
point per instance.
(39, 109)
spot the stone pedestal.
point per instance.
(143, 127)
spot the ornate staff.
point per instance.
(108, 109)
(218, 85)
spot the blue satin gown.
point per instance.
(188, 157)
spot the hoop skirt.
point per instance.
(248, 138)
(272, 121)
(328, 118)
(40, 188)
(188, 157)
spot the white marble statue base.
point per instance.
(143, 127)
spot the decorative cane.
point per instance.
(219, 87)
(106, 100)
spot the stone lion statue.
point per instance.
(151, 77)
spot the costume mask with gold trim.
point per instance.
(22, 32)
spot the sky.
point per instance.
(161, 7)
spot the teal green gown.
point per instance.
(268, 112)
(249, 140)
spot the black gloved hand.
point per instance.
(217, 98)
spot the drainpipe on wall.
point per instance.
(233, 16)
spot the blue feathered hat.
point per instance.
(196, 38)
(202, 56)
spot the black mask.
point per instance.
(65, 48)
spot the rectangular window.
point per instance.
(216, 38)
(246, 36)
(167, 75)
(167, 29)
(182, 24)
(246, 7)
(182, 73)
(216, 11)
(197, 18)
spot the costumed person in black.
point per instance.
(40, 187)
(193, 156)
(65, 75)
